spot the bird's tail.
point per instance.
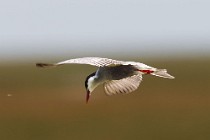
(162, 73)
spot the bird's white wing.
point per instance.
(95, 61)
(138, 65)
(123, 86)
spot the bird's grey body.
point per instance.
(116, 72)
(117, 76)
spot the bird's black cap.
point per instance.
(86, 81)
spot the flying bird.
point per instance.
(118, 77)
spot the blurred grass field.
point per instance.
(49, 104)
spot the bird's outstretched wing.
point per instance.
(95, 61)
(123, 86)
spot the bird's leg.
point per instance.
(146, 71)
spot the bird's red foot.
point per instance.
(146, 71)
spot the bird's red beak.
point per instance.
(87, 96)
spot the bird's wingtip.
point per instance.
(42, 65)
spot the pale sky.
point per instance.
(30, 28)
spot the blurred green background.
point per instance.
(50, 104)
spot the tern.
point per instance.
(118, 77)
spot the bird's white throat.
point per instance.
(93, 83)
